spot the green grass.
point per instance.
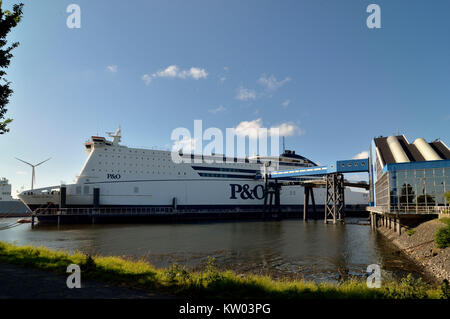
(410, 232)
(445, 220)
(442, 236)
(209, 283)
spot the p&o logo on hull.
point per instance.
(245, 192)
(113, 176)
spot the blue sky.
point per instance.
(311, 64)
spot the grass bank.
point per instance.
(209, 283)
(442, 236)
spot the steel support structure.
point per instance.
(334, 201)
(308, 193)
(272, 197)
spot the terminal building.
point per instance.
(410, 177)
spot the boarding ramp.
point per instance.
(332, 178)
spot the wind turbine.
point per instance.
(32, 171)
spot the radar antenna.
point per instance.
(116, 136)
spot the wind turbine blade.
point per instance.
(24, 161)
(43, 161)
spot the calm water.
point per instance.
(288, 248)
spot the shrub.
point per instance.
(409, 288)
(442, 237)
(177, 272)
(211, 273)
(445, 290)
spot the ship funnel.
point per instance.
(397, 150)
(428, 153)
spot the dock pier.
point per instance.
(400, 221)
(331, 177)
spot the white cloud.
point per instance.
(21, 173)
(146, 78)
(248, 128)
(218, 109)
(195, 73)
(112, 68)
(252, 129)
(244, 94)
(173, 71)
(286, 103)
(286, 129)
(222, 79)
(362, 155)
(271, 83)
(170, 72)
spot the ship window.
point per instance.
(136, 190)
(86, 190)
(78, 190)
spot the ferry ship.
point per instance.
(8, 205)
(125, 177)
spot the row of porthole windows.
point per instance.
(168, 155)
(135, 151)
(233, 164)
(142, 165)
(142, 172)
(131, 164)
(142, 158)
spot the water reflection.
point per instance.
(289, 248)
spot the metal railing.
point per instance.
(104, 211)
(135, 211)
(410, 209)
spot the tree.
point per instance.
(407, 195)
(8, 20)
